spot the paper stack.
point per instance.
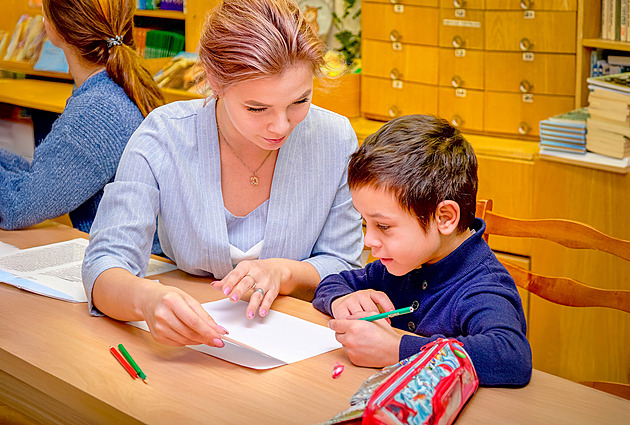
(609, 122)
(565, 132)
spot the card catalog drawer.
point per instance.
(461, 68)
(463, 4)
(380, 100)
(509, 113)
(540, 73)
(411, 62)
(412, 24)
(462, 33)
(531, 5)
(546, 32)
(462, 108)
(428, 3)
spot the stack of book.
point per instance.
(26, 41)
(609, 122)
(565, 132)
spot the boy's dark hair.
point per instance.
(422, 160)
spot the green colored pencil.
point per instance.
(388, 314)
(132, 362)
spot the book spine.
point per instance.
(617, 20)
(623, 17)
(604, 20)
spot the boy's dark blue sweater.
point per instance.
(468, 296)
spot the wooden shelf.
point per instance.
(598, 43)
(27, 68)
(36, 94)
(165, 14)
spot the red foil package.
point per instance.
(431, 387)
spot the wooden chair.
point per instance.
(562, 290)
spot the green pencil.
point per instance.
(132, 362)
(388, 314)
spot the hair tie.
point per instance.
(114, 41)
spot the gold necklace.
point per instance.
(253, 179)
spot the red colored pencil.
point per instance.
(123, 362)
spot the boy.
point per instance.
(414, 182)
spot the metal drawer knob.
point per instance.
(526, 86)
(524, 128)
(459, 4)
(457, 81)
(394, 111)
(525, 44)
(395, 36)
(395, 74)
(526, 4)
(458, 42)
(457, 121)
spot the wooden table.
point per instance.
(55, 367)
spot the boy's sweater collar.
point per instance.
(462, 260)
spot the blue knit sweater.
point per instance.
(73, 163)
(468, 296)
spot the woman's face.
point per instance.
(265, 111)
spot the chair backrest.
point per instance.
(572, 234)
(562, 290)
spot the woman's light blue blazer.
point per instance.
(170, 169)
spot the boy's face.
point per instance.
(393, 234)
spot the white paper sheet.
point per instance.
(264, 342)
(55, 270)
(6, 248)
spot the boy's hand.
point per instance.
(367, 300)
(371, 344)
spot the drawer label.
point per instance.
(460, 92)
(528, 56)
(458, 23)
(399, 8)
(528, 98)
(460, 53)
(528, 14)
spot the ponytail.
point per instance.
(102, 32)
(124, 68)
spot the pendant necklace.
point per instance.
(253, 179)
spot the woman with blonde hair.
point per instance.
(249, 187)
(112, 94)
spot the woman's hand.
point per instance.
(367, 300)
(267, 278)
(176, 318)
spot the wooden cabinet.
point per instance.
(502, 66)
(400, 58)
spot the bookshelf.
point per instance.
(589, 26)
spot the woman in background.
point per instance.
(112, 94)
(249, 186)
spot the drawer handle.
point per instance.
(458, 42)
(395, 74)
(459, 4)
(395, 36)
(523, 128)
(394, 111)
(457, 121)
(526, 86)
(526, 4)
(457, 81)
(394, 1)
(525, 44)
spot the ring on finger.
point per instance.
(261, 290)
